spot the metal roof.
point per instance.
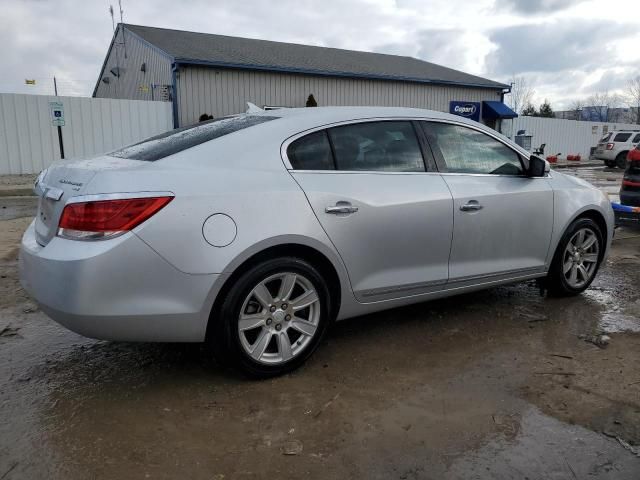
(246, 53)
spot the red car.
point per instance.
(630, 190)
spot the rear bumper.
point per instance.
(628, 215)
(605, 155)
(118, 289)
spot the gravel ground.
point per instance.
(17, 180)
(496, 384)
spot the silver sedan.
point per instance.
(255, 232)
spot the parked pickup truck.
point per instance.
(614, 146)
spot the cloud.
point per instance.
(453, 48)
(555, 47)
(537, 6)
(560, 53)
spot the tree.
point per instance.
(632, 94)
(311, 102)
(529, 111)
(521, 94)
(601, 105)
(545, 109)
(575, 107)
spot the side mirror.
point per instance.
(538, 167)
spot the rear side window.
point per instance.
(622, 137)
(311, 152)
(175, 141)
(606, 137)
(377, 146)
(636, 139)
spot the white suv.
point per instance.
(614, 146)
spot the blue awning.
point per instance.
(494, 109)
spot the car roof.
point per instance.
(297, 120)
(338, 114)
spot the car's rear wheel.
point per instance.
(273, 318)
(621, 160)
(577, 258)
(610, 163)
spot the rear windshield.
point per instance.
(606, 137)
(622, 137)
(175, 141)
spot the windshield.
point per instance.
(175, 141)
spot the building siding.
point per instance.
(562, 136)
(29, 142)
(134, 84)
(221, 92)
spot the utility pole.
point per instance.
(124, 40)
(60, 142)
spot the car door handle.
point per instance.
(341, 207)
(471, 206)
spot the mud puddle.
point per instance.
(495, 384)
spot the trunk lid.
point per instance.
(62, 181)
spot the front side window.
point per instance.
(377, 146)
(465, 150)
(622, 137)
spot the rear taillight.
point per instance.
(101, 219)
(610, 146)
(629, 183)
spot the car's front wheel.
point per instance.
(577, 258)
(273, 317)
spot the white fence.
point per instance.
(29, 140)
(562, 136)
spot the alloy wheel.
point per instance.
(580, 258)
(279, 318)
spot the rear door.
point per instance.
(503, 219)
(389, 219)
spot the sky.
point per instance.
(566, 49)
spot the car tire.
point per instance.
(621, 160)
(576, 260)
(610, 163)
(261, 327)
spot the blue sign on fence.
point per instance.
(469, 110)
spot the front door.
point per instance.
(502, 219)
(390, 220)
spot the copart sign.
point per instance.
(469, 110)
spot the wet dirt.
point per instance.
(495, 384)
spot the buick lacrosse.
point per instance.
(254, 232)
